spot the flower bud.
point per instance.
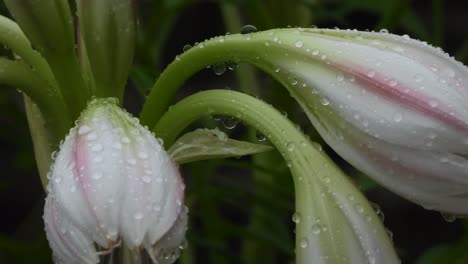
(394, 107)
(112, 183)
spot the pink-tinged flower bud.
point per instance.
(112, 184)
(394, 107)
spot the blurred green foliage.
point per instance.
(226, 196)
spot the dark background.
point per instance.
(223, 195)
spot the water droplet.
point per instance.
(97, 175)
(397, 117)
(83, 130)
(232, 65)
(324, 101)
(389, 233)
(384, 30)
(260, 136)
(406, 37)
(418, 77)
(117, 145)
(299, 44)
(296, 217)
(186, 48)
(98, 159)
(433, 103)
(96, 148)
(125, 140)
(290, 146)
(315, 52)
(359, 208)
(138, 216)
(142, 155)
(292, 80)
(340, 77)
(371, 73)
(219, 68)
(392, 83)
(316, 229)
(247, 29)
(304, 243)
(146, 179)
(449, 217)
(230, 122)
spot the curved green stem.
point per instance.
(12, 36)
(227, 48)
(320, 187)
(49, 101)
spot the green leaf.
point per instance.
(203, 144)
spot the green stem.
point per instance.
(49, 26)
(12, 37)
(50, 103)
(320, 187)
(227, 48)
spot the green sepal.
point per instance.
(107, 31)
(203, 144)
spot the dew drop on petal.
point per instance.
(97, 175)
(83, 130)
(433, 103)
(138, 216)
(371, 74)
(146, 179)
(418, 77)
(397, 117)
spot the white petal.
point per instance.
(152, 199)
(438, 181)
(167, 249)
(69, 244)
(340, 82)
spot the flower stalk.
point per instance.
(334, 221)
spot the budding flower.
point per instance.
(394, 107)
(112, 184)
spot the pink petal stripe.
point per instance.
(403, 95)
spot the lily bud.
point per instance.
(394, 107)
(113, 184)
